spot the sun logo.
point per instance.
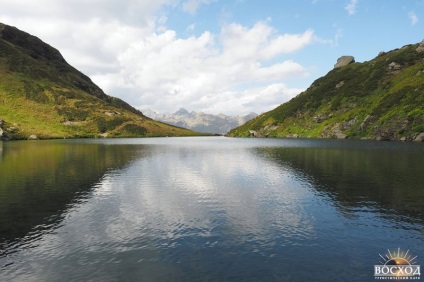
(399, 264)
(393, 258)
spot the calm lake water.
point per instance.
(207, 209)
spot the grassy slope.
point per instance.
(390, 101)
(41, 94)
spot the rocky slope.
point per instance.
(381, 99)
(199, 121)
(42, 96)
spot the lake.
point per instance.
(207, 209)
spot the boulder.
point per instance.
(344, 61)
(340, 135)
(33, 137)
(336, 132)
(1, 132)
(419, 138)
(340, 84)
(394, 66)
(110, 114)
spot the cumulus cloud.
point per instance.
(127, 50)
(197, 71)
(351, 7)
(413, 17)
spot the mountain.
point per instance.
(42, 96)
(201, 122)
(381, 99)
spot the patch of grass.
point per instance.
(394, 98)
(41, 94)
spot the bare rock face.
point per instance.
(344, 61)
(419, 138)
(420, 47)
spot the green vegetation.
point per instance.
(42, 95)
(380, 99)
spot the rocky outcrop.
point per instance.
(344, 61)
(419, 138)
(369, 119)
(336, 132)
(395, 66)
(259, 134)
(420, 47)
(340, 84)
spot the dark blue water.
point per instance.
(207, 209)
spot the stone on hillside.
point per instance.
(420, 47)
(367, 121)
(394, 66)
(110, 114)
(336, 132)
(419, 138)
(340, 135)
(344, 61)
(340, 84)
(33, 137)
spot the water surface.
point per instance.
(207, 209)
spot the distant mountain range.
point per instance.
(381, 99)
(199, 121)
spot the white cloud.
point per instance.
(413, 17)
(191, 6)
(129, 53)
(351, 7)
(171, 72)
(191, 27)
(332, 42)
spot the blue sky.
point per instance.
(231, 57)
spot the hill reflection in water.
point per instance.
(362, 176)
(40, 181)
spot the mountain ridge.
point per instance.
(380, 99)
(42, 96)
(199, 121)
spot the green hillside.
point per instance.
(42, 96)
(382, 99)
